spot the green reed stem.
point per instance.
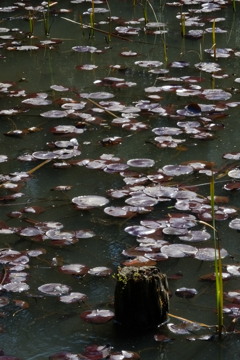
(92, 20)
(31, 23)
(234, 5)
(145, 11)
(183, 25)
(46, 20)
(108, 38)
(217, 262)
(165, 49)
(214, 46)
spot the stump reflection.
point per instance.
(141, 297)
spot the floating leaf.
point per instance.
(141, 162)
(196, 236)
(97, 95)
(233, 296)
(16, 287)
(26, 47)
(235, 173)
(30, 231)
(83, 49)
(54, 114)
(216, 94)
(65, 355)
(85, 202)
(235, 224)
(138, 230)
(73, 297)
(184, 328)
(177, 170)
(233, 270)
(74, 269)
(186, 293)
(96, 352)
(209, 67)
(179, 250)
(124, 355)
(55, 289)
(66, 129)
(59, 88)
(97, 316)
(100, 271)
(37, 101)
(208, 254)
(87, 67)
(162, 338)
(141, 200)
(150, 63)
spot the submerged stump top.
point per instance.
(141, 297)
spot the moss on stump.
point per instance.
(141, 297)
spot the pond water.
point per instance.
(109, 137)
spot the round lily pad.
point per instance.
(89, 201)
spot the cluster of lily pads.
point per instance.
(181, 231)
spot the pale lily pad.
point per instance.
(16, 287)
(179, 250)
(235, 224)
(208, 254)
(97, 316)
(100, 271)
(74, 269)
(54, 114)
(141, 162)
(235, 173)
(216, 94)
(186, 293)
(177, 170)
(84, 49)
(97, 95)
(209, 67)
(56, 289)
(89, 201)
(73, 297)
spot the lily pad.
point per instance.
(73, 297)
(97, 316)
(55, 289)
(85, 202)
(208, 254)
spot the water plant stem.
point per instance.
(217, 261)
(92, 20)
(145, 12)
(214, 39)
(183, 25)
(234, 5)
(31, 23)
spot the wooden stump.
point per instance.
(141, 297)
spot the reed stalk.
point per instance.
(165, 49)
(214, 46)
(183, 25)
(46, 20)
(234, 5)
(108, 38)
(217, 261)
(31, 23)
(92, 20)
(145, 11)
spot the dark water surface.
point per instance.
(48, 326)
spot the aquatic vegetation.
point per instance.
(112, 133)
